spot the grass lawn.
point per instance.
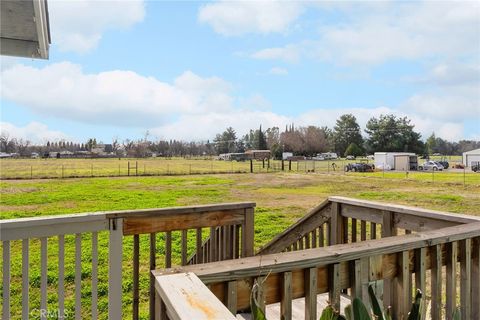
(281, 199)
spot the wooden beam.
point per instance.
(286, 298)
(311, 293)
(182, 221)
(186, 297)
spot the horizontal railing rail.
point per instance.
(102, 239)
(289, 275)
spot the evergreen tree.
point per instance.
(345, 132)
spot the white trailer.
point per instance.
(402, 161)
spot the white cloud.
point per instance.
(205, 126)
(233, 18)
(369, 34)
(289, 53)
(278, 71)
(79, 25)
(35, 132)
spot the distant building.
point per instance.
(469, 157)
(401, 161)
(286, 155)
(258, 154)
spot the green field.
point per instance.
(281, 199)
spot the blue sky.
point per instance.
(187, 70)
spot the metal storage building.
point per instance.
(471, 156)
(402, 161)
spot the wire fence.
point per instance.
(83, 168)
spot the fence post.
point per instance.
(31, 172)
(63, 171)
(283, 165)
(251, 165)
(129, 168)
(115, 269)
(263, 163)
(136, 168)
(289, 165)
(91, 170)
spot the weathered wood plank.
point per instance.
(182, 221)
(94, 290)
(232, 296)
(334, 286)
(406, 210)
(336, 226)
(354, 230)
(186, 297)
(61, 274)
(286, 298)
(199, 251)
(212, 242)
(451, 273)
(6, 280)
(25, 277)
(281, 262)
(311, 293)
(363, 230)
(361, 213)
(248, 233)
(78, 276)
(476, 278)
(421, 273)
(136, 274)
(168, 249)
(184, 247)
(466, 278)
(115, 251)
(436, 281)
(402, 291)
(153, 263)
(145, 213)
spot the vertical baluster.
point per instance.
(373, 230)
(43, 277)
(334, 285)
(136, 275)
(451, 288)
(295, 246)
(363, 230)
(213, 241)
(237, 241)
(307, 241)
(311, 294)
(231, 241)
(300, 243)
(6, 280)
(436, 281)
(314, 238)
(286, 297)
(354, 230)
(232, 296)
(78, 276)
(421, 273)
(199, 251)
(321, 235)
(402, 292)
(94, 275)
(168, 249)
(261, 293)
(25, 278)
(345, 234)
(184, 247)
(476, 278)
(465, 278)
(115, 250)
(61, 275)
(153, 262)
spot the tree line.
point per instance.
(383, 133)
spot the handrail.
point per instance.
(313, 219)
(288, 275)
(284, 261)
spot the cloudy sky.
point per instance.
(187, 70)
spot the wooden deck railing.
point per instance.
(289, 275)
(235, 222)
(345, 220)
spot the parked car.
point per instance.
(445, 164)
(476, 167)
(350, 158)
(359, 167)
(431, 165)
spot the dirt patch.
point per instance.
(13, 190)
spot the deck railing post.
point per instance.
(115, 269)
(248, 233)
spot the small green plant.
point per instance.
(358, 311)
